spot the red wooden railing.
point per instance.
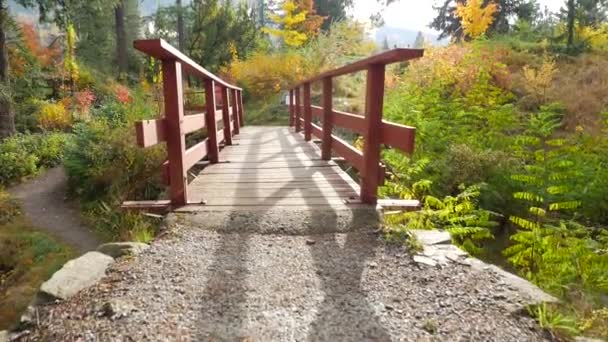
(371, 127)
(173, 128)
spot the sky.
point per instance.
(415, 14)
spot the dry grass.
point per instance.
(581, 85)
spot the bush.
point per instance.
(9, 208)
(23, 155)
(54, 116)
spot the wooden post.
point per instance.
(307, 113)
(374, 102)
(241, 109)
(291, 108)
(176, 140)
(210, 120)
(298, 110)
(235, 111)
(226, 115)
(327, 118)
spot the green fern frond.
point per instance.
(525, 224)
(528, 196)
(538, 211)
(569, 205)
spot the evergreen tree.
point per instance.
(419, 42)
(7, 116)
(121, 39)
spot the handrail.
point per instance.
(173, 128)
(160, 49)
(384, 58)
(374, 130)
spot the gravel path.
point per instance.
(203, 285)
(43, 200)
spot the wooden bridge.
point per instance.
(271, 166)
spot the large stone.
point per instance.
(118, 249)
(75, 275)
(3, 336)
(432, 237)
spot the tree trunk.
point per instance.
(181, 35)
(121, 39)
(7, 117)
(571, 17)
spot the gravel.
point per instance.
(202, 285)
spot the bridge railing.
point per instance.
(374, 130)
(173, 128)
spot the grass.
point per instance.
(27, 259)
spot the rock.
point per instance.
(310, 242)
(75, 275)
(28, 316)
(3, 336)
(116, 308)
(425, 260)
(118, 249)
(582, 339)
(432, 237)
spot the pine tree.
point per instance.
(122, 58)
(7, 116)
(420, 40)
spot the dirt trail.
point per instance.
(43, 200)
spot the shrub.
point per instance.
(23, 155)
(53, 116)
(17, 162)
(122, 94)
(9, 208)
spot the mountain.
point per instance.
(403, 38)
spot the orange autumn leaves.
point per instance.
(476, 18)
(45, 56)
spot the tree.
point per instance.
(7, 116)
(122, 58)
(449, 23)
(420, 40)
(385, 45)
(332, 10)
(288, 24)
(583, 12)
(181, 34)
(475, 19)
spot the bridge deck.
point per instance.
(272, 166)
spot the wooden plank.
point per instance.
(150, 132)
(271, 172)
(348, 152)
(241, 108)
(196, 153)
(398, 204)
(399, 136)
(162, 50)
(384, 58)
(371, 173)
(267, 186)
(291, 108)
(355, 123)
(276, 193)
(157, 207)
(317, 112)
(193, 123)
(213, 150)
(288, 201)
(327, 118)
(176, 141)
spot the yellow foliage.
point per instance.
(264, 74)
(289, 21)
(53, 116)
(597, 38)
(474, 18)
(70, 64)
(538, 81)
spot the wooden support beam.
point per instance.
(226, 115)
(399, 136)
(298, 110)
(193, 123)
(176, 140)
(196, 153)
(327, 118)
(235, 111)
(291, 108)
(213, 149)
(241, 109)
(374, 102)
(156, 207)
(307, 113)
